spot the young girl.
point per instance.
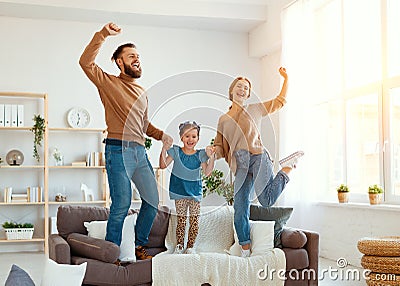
(238, 140)
(185, 185)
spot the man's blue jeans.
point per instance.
(123, 164)
(254, 173)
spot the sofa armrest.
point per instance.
(59, 249)
(312, 247)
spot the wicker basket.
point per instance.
(19, 233)
(381, 264)
(380, 246)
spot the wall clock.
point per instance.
(78, 117)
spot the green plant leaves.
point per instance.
(17, 225)
(215, 184)
(38, 130)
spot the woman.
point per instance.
(238, 140)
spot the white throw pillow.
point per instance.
(261, 236)
(98, 229)
(127, 247)
(63, 274)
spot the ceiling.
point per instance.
(218, 15)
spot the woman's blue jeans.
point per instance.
(123, 164)
(254, 173)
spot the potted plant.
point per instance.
(58, 157)
(215, 184)
(375, 194)
(18, 231)
(343, 193)
(38, 130)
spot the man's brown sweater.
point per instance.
(125, 102)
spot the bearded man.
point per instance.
(126, 112)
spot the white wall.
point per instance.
(341, 226)
(266, 38)
(42, 56)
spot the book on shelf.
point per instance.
(19, 198)
(95, 159)
(35, 194)
(79, 164)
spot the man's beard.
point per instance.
(131, 72)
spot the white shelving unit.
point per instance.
(30, 170)
(85, 140)
(54, 179)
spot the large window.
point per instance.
(351, 81)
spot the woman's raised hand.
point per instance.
(282, 72)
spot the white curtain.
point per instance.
(297, 120)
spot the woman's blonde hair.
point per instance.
(234, 83)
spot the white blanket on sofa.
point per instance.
(211, 264)
(218, 269)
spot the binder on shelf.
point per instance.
(7, 115)
(20, 115)
(7, 194)
(14, 115)
(1, 114)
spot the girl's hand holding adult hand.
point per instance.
(210, 151)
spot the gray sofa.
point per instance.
(72, 246)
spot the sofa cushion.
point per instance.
(296, 258)
(83, 245)
(159, 228)
(70, 219)
(278, 214)
(293, 238)
(98, 229)
(106, 274)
